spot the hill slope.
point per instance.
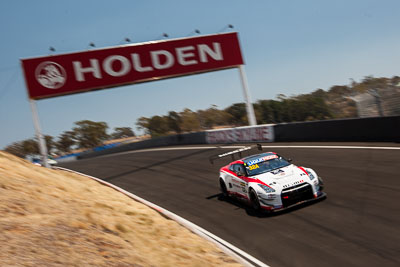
(55, 218)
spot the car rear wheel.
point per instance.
(255, 203)
(222, 186)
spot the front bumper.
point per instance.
(321, 196)
(290, 197)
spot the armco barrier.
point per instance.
(181, 139)
(376, 129)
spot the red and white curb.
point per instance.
(239, 255)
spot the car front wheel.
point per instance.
(255, 203)
(222, 186)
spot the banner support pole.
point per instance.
(39, 135)
(246, 92)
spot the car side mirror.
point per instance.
(289, 160)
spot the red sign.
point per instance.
(72, 73)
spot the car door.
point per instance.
(238, 183)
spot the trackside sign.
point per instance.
(78, 72)
(261, 133)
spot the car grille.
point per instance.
(295, 194)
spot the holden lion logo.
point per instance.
(51, 75)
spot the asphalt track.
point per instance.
(357, 225)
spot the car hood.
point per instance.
(285, 177)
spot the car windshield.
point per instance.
(255, 168)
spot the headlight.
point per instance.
(267, 189)
(310, 174)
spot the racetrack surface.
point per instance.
(357, 225)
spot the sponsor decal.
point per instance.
(262, 133)
(271, 196)
(50, 75)
(234, 152)
(255, 161)
(280, 172)
(293, 184)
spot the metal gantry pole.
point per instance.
(39, 135)
(249, 106)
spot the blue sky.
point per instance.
(290, 47)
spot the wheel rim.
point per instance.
(223, 188)
(254, 201)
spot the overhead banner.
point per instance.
(78, 72)
(261, 133)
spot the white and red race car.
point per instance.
(268, 182)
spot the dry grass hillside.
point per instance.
(55, 218)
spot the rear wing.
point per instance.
(234, 152)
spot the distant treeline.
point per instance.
(85, 134)
(337, 102)
(318, 105)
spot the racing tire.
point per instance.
(222, 186)
(255, 203)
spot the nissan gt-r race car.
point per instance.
(267, 181)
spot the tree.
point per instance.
(143, 124)
(174, 122)
(29, 147)
(50, 144)
(65, 141)
(16, 149)
(265, 111)
(158, 126)
(90, 134)
(155, 126)
(238, 114)
(190, 121)
(122, 132)
(213, 116)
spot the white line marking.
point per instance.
(264, 146)
(339, 147)
(238, 146)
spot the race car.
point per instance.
(268, 181)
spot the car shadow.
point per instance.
(263, 214)
(158, 163)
